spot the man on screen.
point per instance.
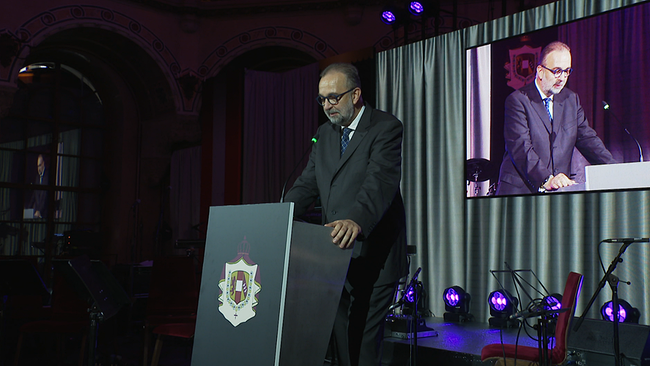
(39, 197)
(355, 168)
(544, 121)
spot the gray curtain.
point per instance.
(460, 240)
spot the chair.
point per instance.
(526, 355)
(69, 315)
(179, 330)
(173, 296)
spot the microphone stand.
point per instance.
(412, 326)
(613, 281)
(638, 145)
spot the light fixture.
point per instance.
(552, 302)
(502, 306)
(416, 8)
(456, 304)
(389, 15)
(551, 306)
(626, 313)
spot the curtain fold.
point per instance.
(185, 194)
(280, 118)
(460, 240)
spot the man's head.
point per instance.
(554, 68)
(339, 92)
(40, 164)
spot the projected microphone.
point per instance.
(627, 240)
(606, 107)
(284, 186)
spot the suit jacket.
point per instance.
(537, 148)
(39, 197)
(362, 185)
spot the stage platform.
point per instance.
(457, 344)
(460, 344)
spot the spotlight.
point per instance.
(552, 302)
(502, 306)
(389, 15)
(456, 304)
(551, 305)
(416, 8)
(626, 313)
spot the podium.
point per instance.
(617, 176)
(270, 288)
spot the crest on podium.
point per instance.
(239, 287)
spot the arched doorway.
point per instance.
(84, 101)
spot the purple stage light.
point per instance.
(498, 301)
(416, 8)
(456, 304)
(410, 295)
(388, 17)
(553, 302)
(608, 312)
(451, 297)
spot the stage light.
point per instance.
(416, 8)
(502, 306)
(456, 304)
(552, 302)
(410, 295)
(389, 15)
(626, 313)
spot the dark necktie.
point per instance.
(547, 104)
(345, 139)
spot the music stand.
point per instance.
(95, 283)
(545, 316)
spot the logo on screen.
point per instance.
(239, 287)
(522, 66)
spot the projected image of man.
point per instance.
(544, 122)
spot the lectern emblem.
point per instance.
(240, 286)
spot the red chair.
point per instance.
(179, 330)
(526, 355)
(69, 315)
(173, 296)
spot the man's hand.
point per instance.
(558, 181)
(344, 233)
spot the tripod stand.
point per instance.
(613, 281)
(410, 326)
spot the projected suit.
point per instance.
(539, 150)
(359, 187)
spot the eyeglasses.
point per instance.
(557, 72)
(333, 98)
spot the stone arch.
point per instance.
(264, 37)
(56, 20)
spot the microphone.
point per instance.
(284, 186)
(606, 107)
(627, 240)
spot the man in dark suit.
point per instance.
(39, 198)
(361, 202)
(544, 121)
